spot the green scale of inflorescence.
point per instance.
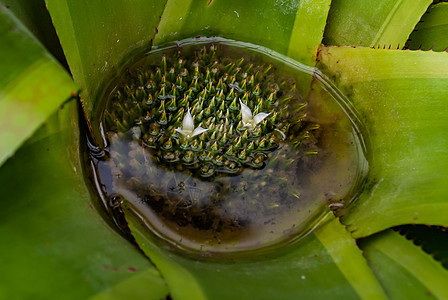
(208, 114)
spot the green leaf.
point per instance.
(34, 15)
(292, 27)
(54, 244)
(307, 33)
(384, 23)
(432, 239)
(97, 36)
(404, 270)
(144, 285)
(345, 253)
(297, 273)
(32, 84)
(402, 98)
(430, 33)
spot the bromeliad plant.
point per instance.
(55, 244)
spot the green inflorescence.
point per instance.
(208, 114)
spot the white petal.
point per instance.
(260, 117)
(198, 131)
(187, 133)
(247, 125)
(187, 123)
(246, 113)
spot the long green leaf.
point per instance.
(292, 27)
(34, 15)
(98, 35)
(32, 84)
(402, 98)
(346, 255)
(432, 239)
(308, 29)
(383, 23)
(54, 244)
(404, 270)
(179, 278)
(431, 32)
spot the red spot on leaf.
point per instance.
(132, 269)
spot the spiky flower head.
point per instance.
(208, 114)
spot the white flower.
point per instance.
(188, 127)
(249, 120)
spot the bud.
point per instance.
(171, 105)
(163, 120)
(164, 64)
(188, 157)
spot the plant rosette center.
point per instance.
(213, 146)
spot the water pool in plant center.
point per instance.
(221, 147)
